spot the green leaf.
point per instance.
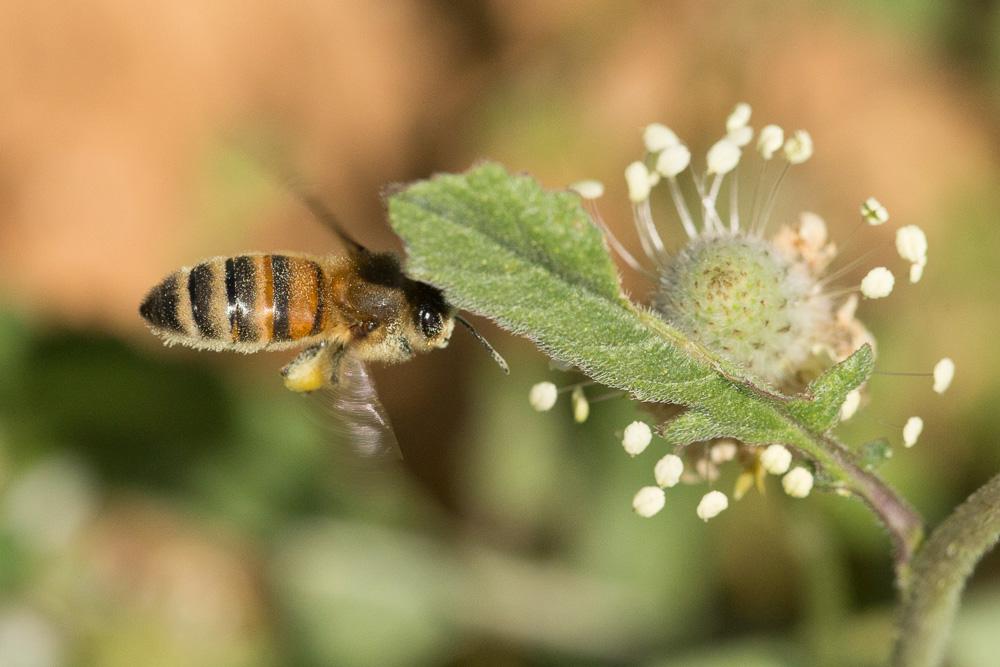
(821, 411)
(501, 246)
(690, 427)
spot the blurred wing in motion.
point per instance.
(359, 417)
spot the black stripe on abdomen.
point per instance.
(320, 305)
(241, 296)
(281, 276)
(159, 308)
(200, 290)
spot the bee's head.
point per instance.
(435, 321)
(433, 318)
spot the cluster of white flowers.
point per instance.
(820, 328)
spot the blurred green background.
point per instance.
(165, 507)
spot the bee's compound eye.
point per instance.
(430, 321)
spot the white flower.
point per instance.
(581, 407)
(637, 178)
(543, 396)
(912, 430)
(799, 147)
(944, 372)
(723, 452)
(739, 117)
(588, 189)
(723, 157)
(712, 504)
(911, 243)
(873, 212)
(636, 438)
(770, 140)
(798, 483)
(741, 136)
(648, 501)
(668, 470)
(658, 137)
(850, 405)
(917, 271)
(776, 459)
(673, 160)
(878, 283)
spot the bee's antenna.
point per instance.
(485, 343)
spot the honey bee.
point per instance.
(341, 311)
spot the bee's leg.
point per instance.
(314, 368)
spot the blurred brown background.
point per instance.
(169, 507)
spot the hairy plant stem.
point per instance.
(904, 525)
(939, 572)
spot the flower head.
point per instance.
(776, 459)
(636, 438)
(712, 505)
(543, 396)
(648, 501)
(911, 431)
(944, 373)
(798, 482)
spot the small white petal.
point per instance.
(850, 405)
(588, 189)
(658, 137)
(770, 140)
(944, 373)
(636, 438)
(741, 136)
(739, 117)
(648, 501)
(873, 212)
(776, 459)
(878, 283)
(673, 160)
(912, 430)
(911, 243)
(668, 470)
(799, 147)
(917, 271)
(581, 407)
(798, 483)
(637, 178)
(812, 229)
(723, 157)
(712, 504)
(543, 396)
(723, 452)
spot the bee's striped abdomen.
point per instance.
(248, 302)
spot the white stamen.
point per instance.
(723, 452)
(878, 283)
(581, 407)
(673, 160)
(723, 157)
(668, 470)
(798, 483)
(944, 373)
(739, 117)
(658, 137)
(741, 136)
(850, 405)
(637, 178)
(588, 189)
(543, 396)
(873, 212)
(636, 438)
(911, 243)
(798, 147)
(648, 501)
(776, 459)
(770, 140)
(917, 271)
(712, 504)
(682, 209)
(912, 430)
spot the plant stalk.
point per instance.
(938, 574)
